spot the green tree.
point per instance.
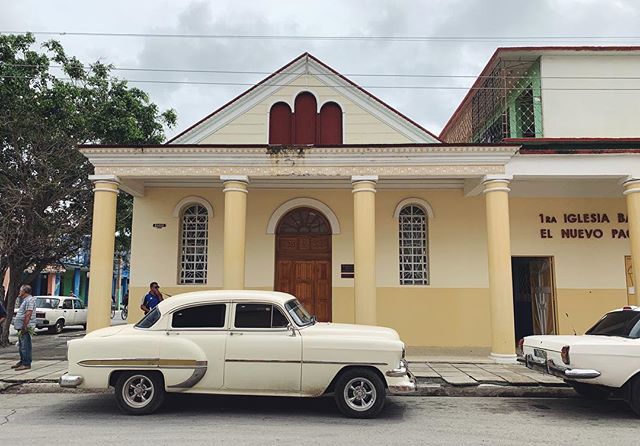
(50, 103)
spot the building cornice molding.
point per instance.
(303, 171)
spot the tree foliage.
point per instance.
(50, 103)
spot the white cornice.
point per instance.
(202, 156)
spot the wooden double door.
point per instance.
(303, 260)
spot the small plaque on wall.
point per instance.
(347, 271)
(159, 225)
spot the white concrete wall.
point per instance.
(582, 113)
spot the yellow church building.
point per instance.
(508, 223)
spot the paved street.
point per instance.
(189, 419)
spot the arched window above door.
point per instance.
(304, 221)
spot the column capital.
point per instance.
(105, 183)
(496, 183)
(631, 185)
(360, 178)
(104, 179)
(235, 178)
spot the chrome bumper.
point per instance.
(406, 386)
(560, 371)
(70, 381)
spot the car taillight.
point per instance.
(564, 354)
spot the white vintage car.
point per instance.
(57, 312)
(243, 343)
(603, 361)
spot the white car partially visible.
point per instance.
(603, 361)
(57, 312)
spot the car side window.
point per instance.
(200, 316)
(67, 304)
(78, 305)
(259, 316)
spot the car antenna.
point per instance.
(574, 330)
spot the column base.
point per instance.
(501, 358)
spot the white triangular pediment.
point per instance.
(245, 119)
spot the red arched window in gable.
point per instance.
(280, 124)
(330, 124)
(305, 119)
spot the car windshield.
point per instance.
(299, 314)
(150, 319)
(47, 302)
(624, 323)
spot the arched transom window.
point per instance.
(413, 242)
(194, 243)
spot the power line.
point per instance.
(331, 38)
(438, 76)
(398, 87)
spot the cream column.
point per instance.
(496, 190)
(103, 235)
(235, 221)
(632, 193)
(364, 246)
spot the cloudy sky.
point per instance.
(495, 20)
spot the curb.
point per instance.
(423, 390)
(495, 390)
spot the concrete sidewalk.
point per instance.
(437, 376)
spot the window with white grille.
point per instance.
(194, 245)
(414, 256)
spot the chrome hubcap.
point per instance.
(360, 394)
(138, 391)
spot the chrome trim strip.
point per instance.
(145, 363)
(277, 361)
(288, 361)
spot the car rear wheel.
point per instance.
(57, 328)
(590, 391)
(360, 393)
(139, 393)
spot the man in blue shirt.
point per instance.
(152, 299)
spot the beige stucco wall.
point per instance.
(568, 110)
(453, 309)
(359, 126)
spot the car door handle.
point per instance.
(236, 334)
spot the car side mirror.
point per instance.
(291, 329)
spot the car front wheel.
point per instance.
(139, 393)
(360, 393)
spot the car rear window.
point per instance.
(47, 302)
(150, 319)
(259, 316)
(201, 316)
(624, 323)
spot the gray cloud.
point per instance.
(429, 107)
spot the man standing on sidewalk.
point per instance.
(24, 323)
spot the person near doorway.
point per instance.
(152, 299)
(25, 322)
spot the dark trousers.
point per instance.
(25, 348)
